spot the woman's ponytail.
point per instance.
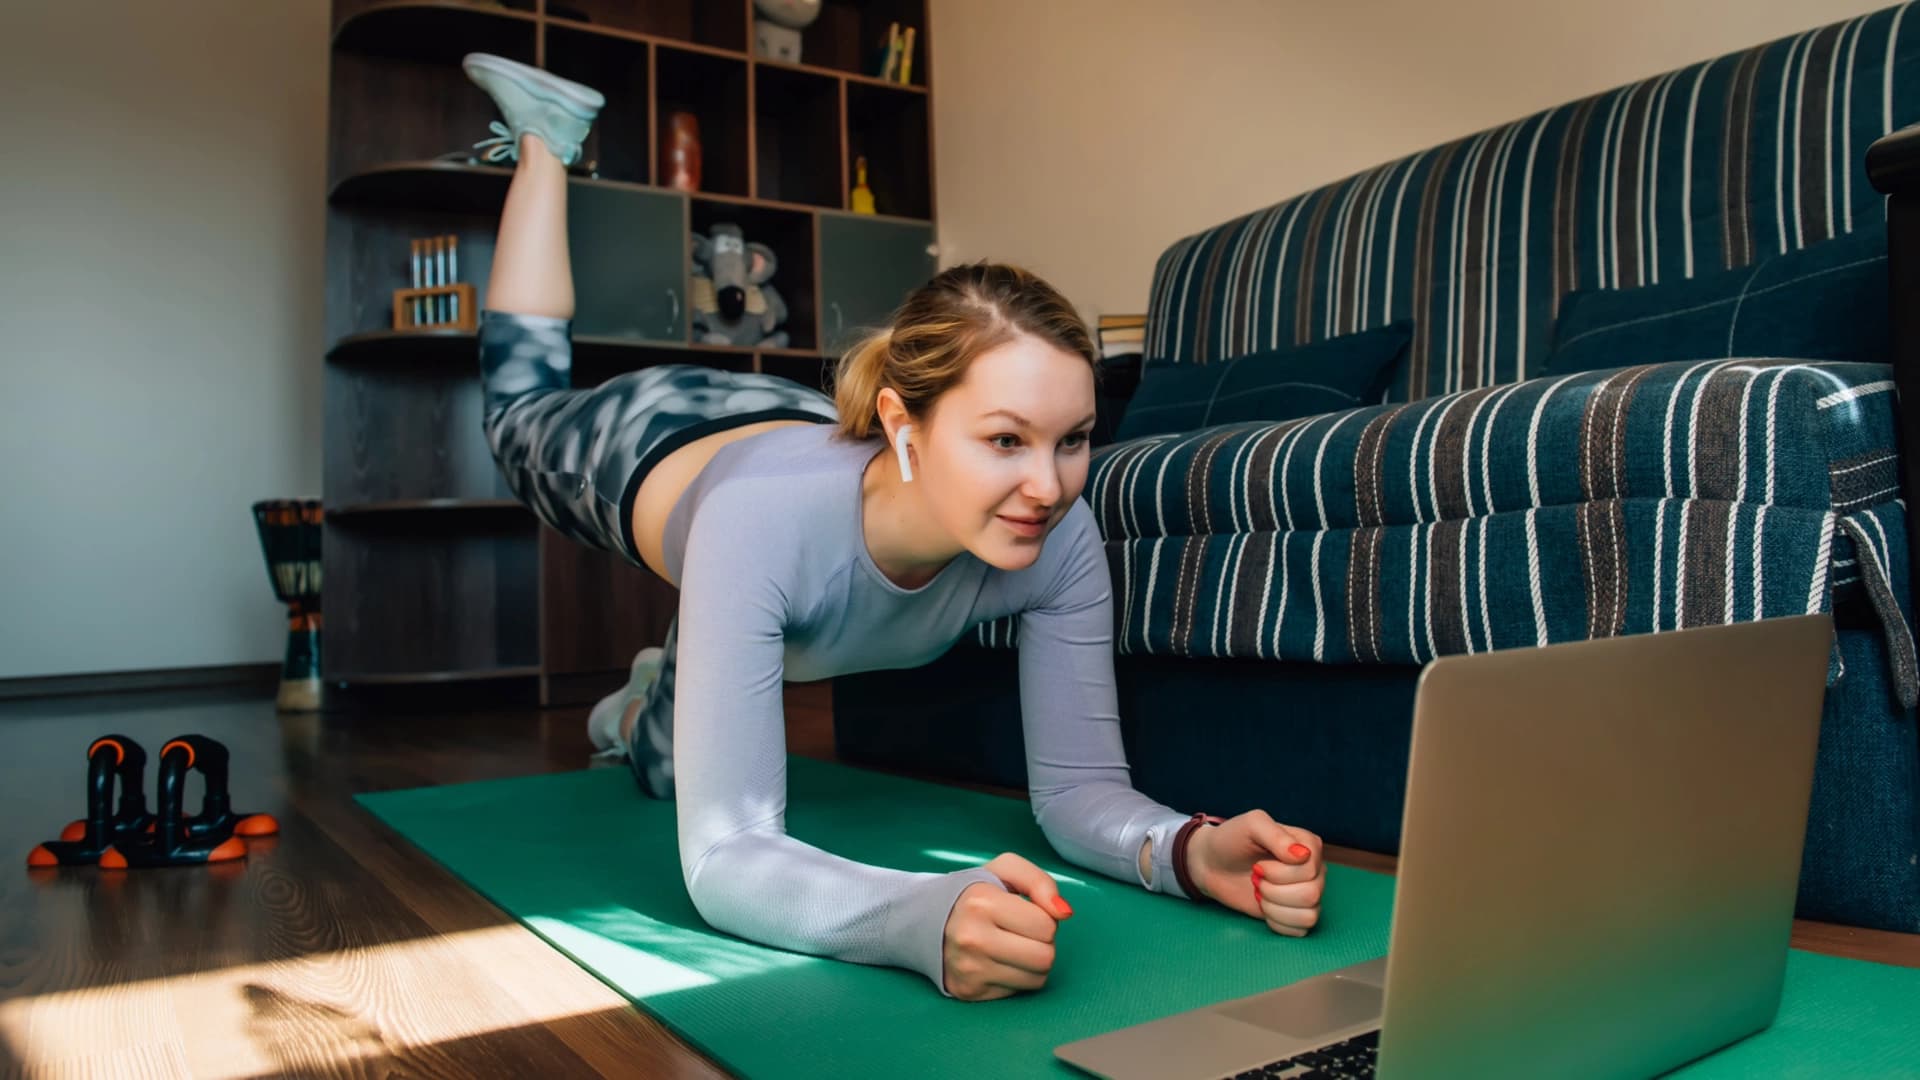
(857, 383)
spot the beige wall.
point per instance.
(161, 219)
(1082, 137)
(162, 213)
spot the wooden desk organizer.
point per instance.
(462, 291)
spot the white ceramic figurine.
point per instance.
(776, 30)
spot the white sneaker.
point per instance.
(559, 111)
(603, 723)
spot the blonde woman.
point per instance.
(811, 537)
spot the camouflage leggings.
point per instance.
(576, 457)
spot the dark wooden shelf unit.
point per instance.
(434, 570)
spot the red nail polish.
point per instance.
(1258, 874)
(1060, 905)
(1299, 851)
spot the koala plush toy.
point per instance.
(732, 302)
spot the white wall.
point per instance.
(162, 213)
(1082, 137)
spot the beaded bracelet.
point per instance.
(1180, 852)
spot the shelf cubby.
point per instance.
(714, 90)
(610, 605)
(891, 131)
(367, 131)
(628, 250)
(432, 592)
(416, 437)
(618, 68)
(439, 30)
(868, 264)
(796, 126)
(790, 235)
(369, 255)
(718, 24)
(850, 35)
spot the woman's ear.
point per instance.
(893, 413)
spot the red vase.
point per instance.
(680, 152)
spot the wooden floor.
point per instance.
(335, 949)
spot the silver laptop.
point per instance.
(1599, 858)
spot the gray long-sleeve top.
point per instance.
(776, 583)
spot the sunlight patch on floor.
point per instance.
(301, 1014)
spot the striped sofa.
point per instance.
(1278, 585)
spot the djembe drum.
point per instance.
(290, 539)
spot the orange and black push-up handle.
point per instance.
(212, 835)
(131, 837)
(109, 758)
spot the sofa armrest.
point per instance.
(1893, 166)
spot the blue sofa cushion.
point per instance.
(1405, 594)
(1643, 499)
(1817, 436)
(1826, 301)
(1275, 384)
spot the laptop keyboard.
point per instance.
(1352, 1058)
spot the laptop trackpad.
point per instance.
(1310, 1008)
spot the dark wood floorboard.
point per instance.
(336, 949)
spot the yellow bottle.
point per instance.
(862, 195)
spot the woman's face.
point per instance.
(1004, 453)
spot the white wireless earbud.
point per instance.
(900, 447)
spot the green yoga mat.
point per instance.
(589, 864)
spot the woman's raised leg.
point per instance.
(531, 272)
(541, 432)
(547, 119)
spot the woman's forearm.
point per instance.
(765, 886)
